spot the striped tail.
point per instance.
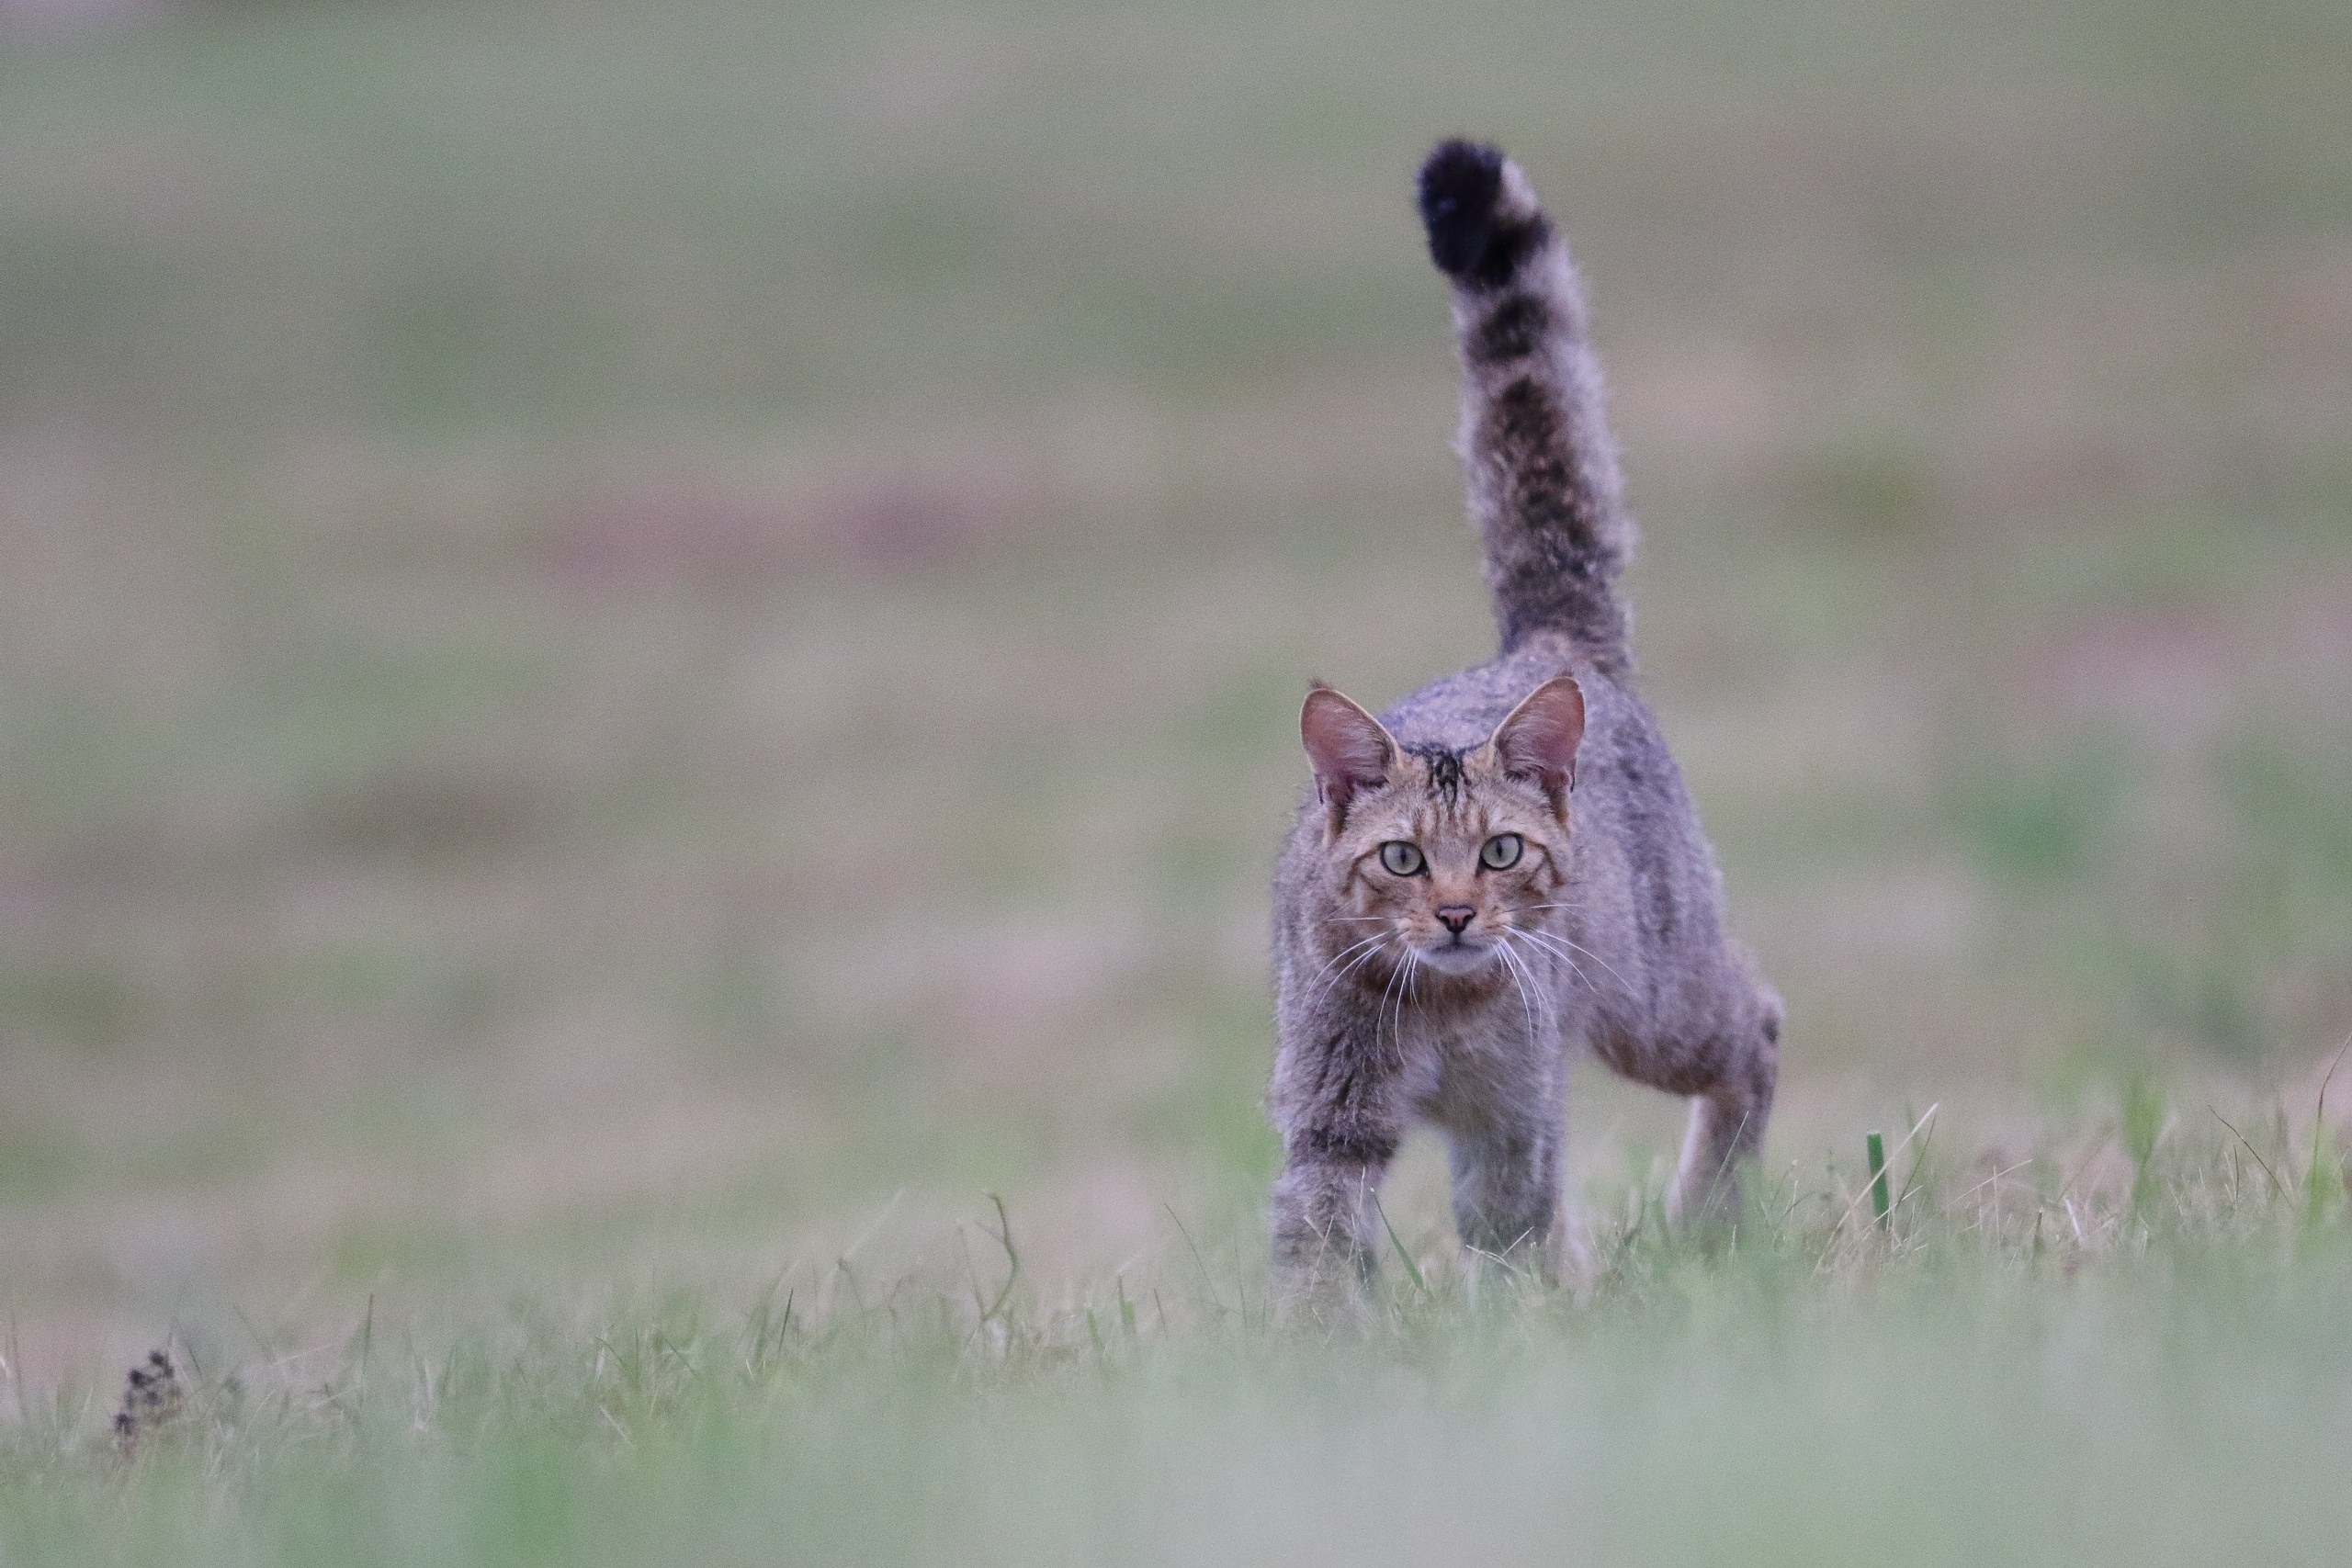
(1541, 466)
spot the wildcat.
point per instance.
(1503, 868)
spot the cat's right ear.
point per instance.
(1349, 748)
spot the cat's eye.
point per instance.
(1400, 858)
(1500, 853)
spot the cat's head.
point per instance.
(1443, 853)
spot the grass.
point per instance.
(2022, 1366)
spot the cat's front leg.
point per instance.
(1325, 1216)
(1340, 1118)
(1507, 1194)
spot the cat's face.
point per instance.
(1438, 854)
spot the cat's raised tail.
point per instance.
(1536, 452)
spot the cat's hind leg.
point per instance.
(1729, 1112)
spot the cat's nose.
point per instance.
(1455, 918)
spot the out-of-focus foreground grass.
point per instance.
(630, 630)
(2010, 1371)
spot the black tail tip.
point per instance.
(1460, 190)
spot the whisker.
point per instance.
(1365, 942)
(1335, 958)
(1518, 980)
(1409, 991)
(1551, 997)
(1595, 957)
(1560, 943)
(1546, 942)
(1395, 980)
(1358, 962)
(1552, 952)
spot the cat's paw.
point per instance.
(1482, 219)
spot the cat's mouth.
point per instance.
(1457, 955)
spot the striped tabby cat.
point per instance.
(1503, 869)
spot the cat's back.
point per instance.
(1461, 710)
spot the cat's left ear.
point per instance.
(1538, 741)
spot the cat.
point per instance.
(1503, 868)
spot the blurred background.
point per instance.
(636, 639)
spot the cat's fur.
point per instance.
(1608, 931)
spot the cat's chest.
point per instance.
(1459, 1064)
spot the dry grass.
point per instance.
(2030, 1360)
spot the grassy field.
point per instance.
(647, 648)
(2007, 1370)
